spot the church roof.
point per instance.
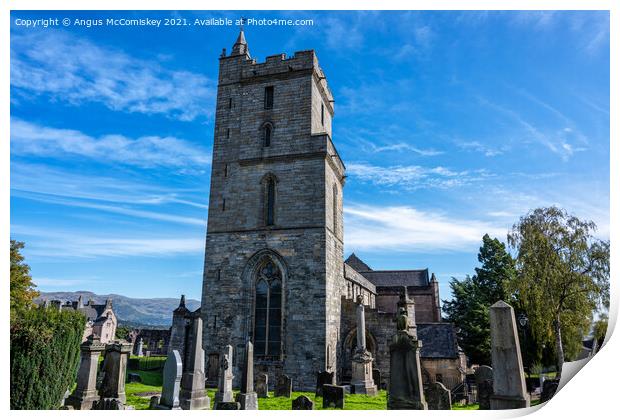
(358, 265)
(438, 340)
(416, 278)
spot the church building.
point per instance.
(274, 271)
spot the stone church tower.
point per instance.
(274, 253)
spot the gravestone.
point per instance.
(85, 393)
(154, 402)
(193, 395)
(112, 390)
(405, 388)
(361, 365)
(247, 398)
(138, 348)
(230, 405)
(302, 403)
(484, 383)
(224, 392)
(173, 372)
(376, 377)
(262, 385)
(284, 387)
(133, 378)
(550, 386)
(509, 390)
(323, 378)
(438, 397)
(333, 396)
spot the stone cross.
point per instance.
(247, 398)
(86, 389)
(173, 371)
(224, 392)
(114, 370)
(508, 377)
(193, 395)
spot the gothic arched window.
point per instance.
(268, 310)
(270, 202)
(267, 132)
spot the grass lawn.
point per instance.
(152, 382)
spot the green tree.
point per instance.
(600, 330)
(45, 352)
(22, 288)
(563, 276)
(472, 297)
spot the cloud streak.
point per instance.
(75, 70)
(45, 243)
(28, 139)
(414, 176)
(376, 228)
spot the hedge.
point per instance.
(45, 354)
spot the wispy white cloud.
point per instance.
(118, 189)
(76, 70)
(45, 243)
(486, 150)
(28, 139)
(562, 141)
(406, 228)
(414, 176)
(116, 209)
(403, 147)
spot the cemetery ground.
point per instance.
(139, 394)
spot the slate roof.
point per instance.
(417, 278)
(358, 265)
(438, 340)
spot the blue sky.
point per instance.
(451, 124)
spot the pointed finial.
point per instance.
(433, 278)
(182, 303)
(241, 45)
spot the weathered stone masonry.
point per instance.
(301, 242)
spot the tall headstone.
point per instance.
(484, 384)
(284, 387)
(508, 376)
(405, 388)
(173, 372)
(247, 398)
(224, 392)
(86, 389)
(361, 368)
(138, 350)
(408, 305)
(438, 397)
(193, 395)
(112, 388)
(262, 385)
(323, 378)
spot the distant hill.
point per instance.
(137, 312)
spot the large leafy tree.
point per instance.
(563, 276)
(472, 297)
(22, 287)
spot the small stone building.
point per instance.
(100, 319)
(274, 270)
